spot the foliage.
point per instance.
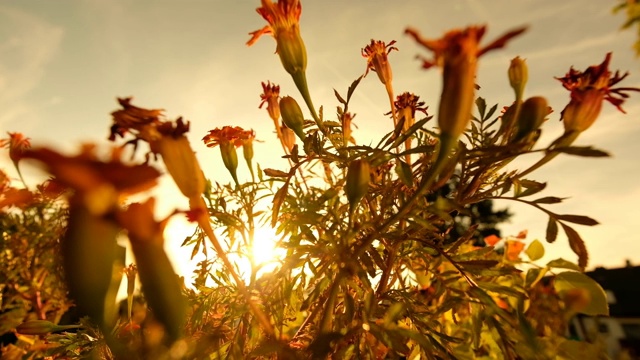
(380, 259)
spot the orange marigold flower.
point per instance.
(377, 59)
(457, 53)
(228, 134)
(271, 96)
(283, 17)
(406, 105)
(17, 144)
(588, 91)
(132, 117)
(513, 249)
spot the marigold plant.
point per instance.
(374, 265)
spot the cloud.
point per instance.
(28, 46)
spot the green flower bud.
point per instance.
(230, 158)
(292, 115)
(532, 115)
(292, 51)
(518, 76)
(358, 180)
(182, 164)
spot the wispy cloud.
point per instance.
(27, 47)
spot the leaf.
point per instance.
(481, 104)
(278, 199)
(577, 245)
(552, 230)
(548, 200)
(531, 187)
(586, 151)
(535, 250)
(576, 280)
(343, 101)
(404, 173)
(276, 173)
(578, 219)
(563, 264)
(478, 264)
(352, 87)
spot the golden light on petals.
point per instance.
(228, 134)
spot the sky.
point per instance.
(63, 63)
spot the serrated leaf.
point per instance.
(577, 245)
(586, 151)
(548, 200)
(576, 280)
(563, 264)
(276, 173)
(535, 250)
(578, 219)
(552, 230)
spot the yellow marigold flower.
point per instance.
(377, 59)
(588, 90)
(283, 17)
(457, 53)
(271, 96)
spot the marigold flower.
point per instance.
(283, 17)
(229, 138)
(457, 53)
(271, 96)
(406, 106)
(513, 249)
(132, 117)
(377, 59)
(17, 144)
(588, 90)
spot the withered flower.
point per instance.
(377, 59)
(588, 91)
(131, 117)
(17, 144)
(283, 17)
(271, 96)
(406, 106)
(457, 53)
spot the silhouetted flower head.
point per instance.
(377, 59)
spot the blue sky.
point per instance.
(63, 63)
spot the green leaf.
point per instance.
(576, 280)
(563, 264)
(535, 251)
(352, 87)
(578, 219)
(481, 104)
(552, 230)
(343, 101)
(404, 173)
(531, 187)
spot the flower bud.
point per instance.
(182, 164)
(292, 115)
(292, 51)
(532, 115)
(518, 76)
(581, 113)
(229, 158)
(358, 179)
(288, 138)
